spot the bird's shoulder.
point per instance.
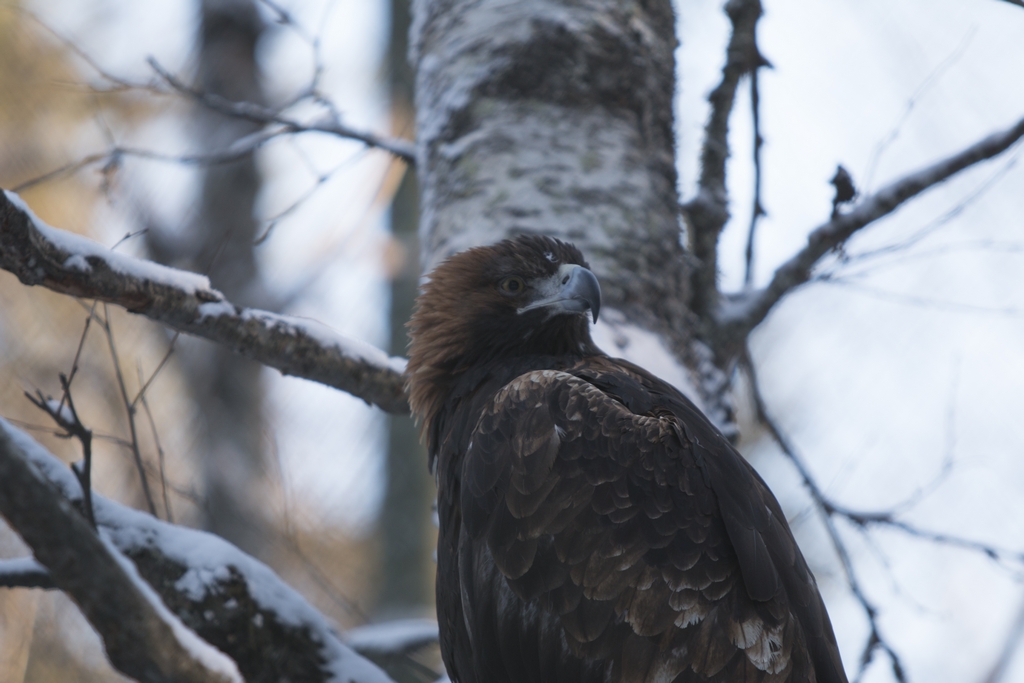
(607, 498)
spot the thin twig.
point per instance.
(745, 311)
(160, 366)
(875, 639)
(931, 227)
(758, 209)
(403, 149)
(121, 83)
(885, 518)
(257, 113)
(908, 108)
(286, 18)
(330, 253)
(239, 149)
(925, 302)
(321, 178)
(66, 169)
(66, 417)
(61, 433)
(292, 545)
(958, 249)
(78, 353)
(156, 436)
(130, 410)
(141, 396)
(708, 211)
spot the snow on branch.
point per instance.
(738, 314)
(24, 572)
(142, 638)
(232, 601)
(70, 264)
(399, 637)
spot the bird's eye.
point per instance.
(512, 285)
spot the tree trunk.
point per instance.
(556, 118)
(406, 567)
(227, 388)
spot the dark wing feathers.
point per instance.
(603, 517)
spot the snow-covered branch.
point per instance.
(229, 599)
(394, 646)
(739, 314)
(24, 572)
(142, 639)
(392, 638)
(64, 262)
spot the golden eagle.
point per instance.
(595, 527)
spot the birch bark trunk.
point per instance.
(556, 117)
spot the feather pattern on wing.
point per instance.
(594, 526)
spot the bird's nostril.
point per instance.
(565, 279)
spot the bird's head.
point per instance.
(521, 297)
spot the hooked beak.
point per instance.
(573, 289)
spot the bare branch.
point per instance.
(129, 407)
(140, 637)
(875, 639)
(144, 383)
(66, 417)
(331, 124)
(70, 264)
(228, 598)
(708, 212)
(239, 149)
(25, 572)
(152, 426)
(743, 312)
(932, 226)
(257, 113)
(758, 209)
(923, 301)
(78, 355)
(930, 80)
(886, 518)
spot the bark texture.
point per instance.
(138, 639)
(65, 263)
(228, 599)
(555, 118)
